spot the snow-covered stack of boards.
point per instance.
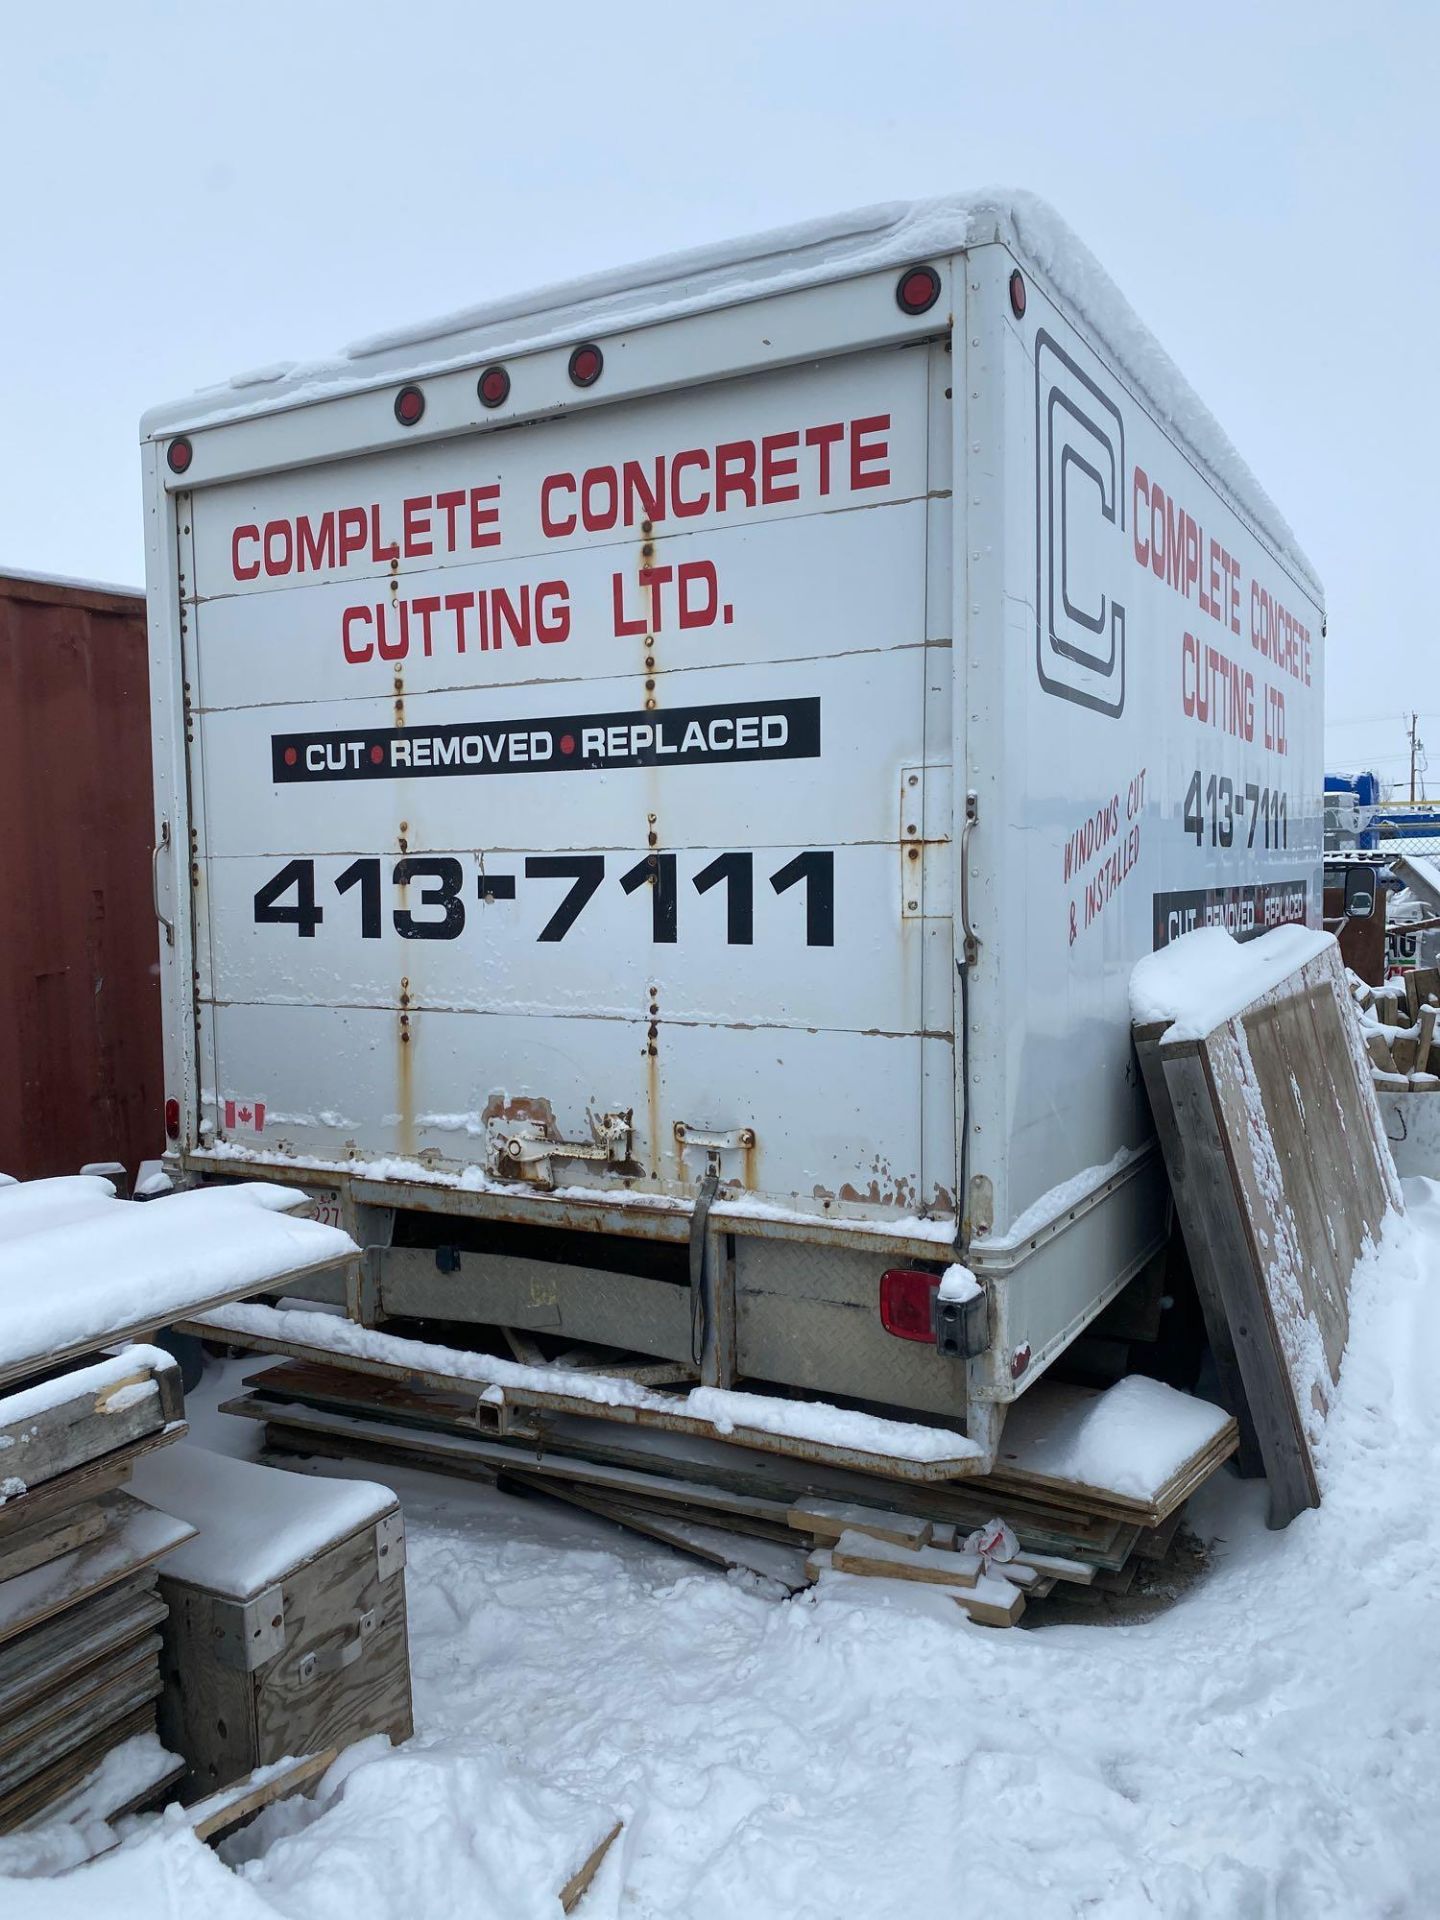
(79, 1610)
(1091, 1483)
(82, 1272)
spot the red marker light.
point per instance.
(917, 290)
(178, 456)
(409, 406)
(907, 1303)
(586, 364)
(1017, 294)
(493, 387)
(172, 1119)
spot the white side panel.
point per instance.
(1156, 673)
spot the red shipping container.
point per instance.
(80, 1053)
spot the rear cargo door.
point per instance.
(584, 769)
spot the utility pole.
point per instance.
(1414, 743)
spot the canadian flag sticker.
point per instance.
(245, 1113)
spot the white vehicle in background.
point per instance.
(661, 784)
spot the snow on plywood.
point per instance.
(1130, 1440)
(256, 1524)
(812, 1420)
(1207, 977)
(730, 273)
(79, 1267)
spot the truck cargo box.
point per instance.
(671, 775)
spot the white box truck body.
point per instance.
(723, 732)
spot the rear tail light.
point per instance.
(172, 1119)
(907, 1303)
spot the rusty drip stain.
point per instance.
(405, 1073)
(652, 1083)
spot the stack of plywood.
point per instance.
(82, 1271)
(79, 1611)
(1091, 1483)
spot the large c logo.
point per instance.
(1079, 524)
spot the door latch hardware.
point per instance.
(522, 1150)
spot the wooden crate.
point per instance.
(286, 1632)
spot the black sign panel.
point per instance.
(731, 731)
(1243, 911)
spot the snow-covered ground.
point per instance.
(1267, 1747)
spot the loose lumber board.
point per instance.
(858, 1553)
(578, 1884)
(1282, 1176)
(826, 1520)
(221, 1813)
(784, 1565)
(989, 1602)
(136, 1538)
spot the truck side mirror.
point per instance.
(1359, 893)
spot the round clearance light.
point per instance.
(917, 290)
(178, 456)
(493, 387)
(409, 406)
(586, 365)
(1017, 294)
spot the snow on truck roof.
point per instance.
(727, 273)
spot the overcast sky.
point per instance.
(193, 189)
